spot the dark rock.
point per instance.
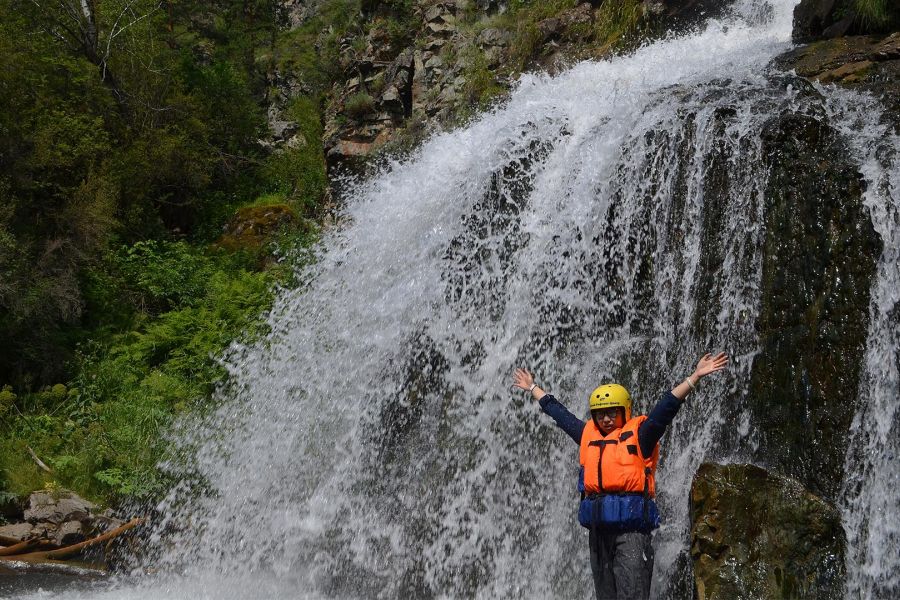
(106, 522)
(57, 506)
(826, 19)
(549, 28)
(759, 535)
(679, 15)
(818, 262)
(11, 507)
(434, 14)
(838, 28)
(70, 532)
(812, 17)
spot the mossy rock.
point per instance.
(866, 63)
(755, 534)
(252, 227)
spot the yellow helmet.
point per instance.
(609, 396)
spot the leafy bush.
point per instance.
(163, 275)
(481, 84)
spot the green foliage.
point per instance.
(481, 85)
(7, 399)
(522, 18)
(104, 435)
(876, 14)
(359, 105)
(163, 275)
(116, 173)
(298, 173)
(617, 22)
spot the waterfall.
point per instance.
(601, 225)
(869, 499)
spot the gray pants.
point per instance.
(622, 565)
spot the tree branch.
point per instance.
(39, 462)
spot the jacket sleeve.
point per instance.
(565, 420)
(651, 430)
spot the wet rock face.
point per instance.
(679, 15)
(758, 535)
(819, 259)
(869, 63)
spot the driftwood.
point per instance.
(18, 548)
(8, 541)
(21, 550)
(38, 461)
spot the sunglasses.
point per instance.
(610, 413)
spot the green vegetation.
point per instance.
(122, 156)
(876, 13)
(359, 105)
(618, 24)
(481, 84)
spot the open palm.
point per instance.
(710, 364)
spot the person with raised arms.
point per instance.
(618, 456)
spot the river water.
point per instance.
(370, 447)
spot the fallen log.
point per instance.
(76, 548)
(67, 551)
(18, 547)
(5, 540)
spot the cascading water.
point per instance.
(605, 224)
(869, 499)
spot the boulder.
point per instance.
(252, 226)
(758, 535)
(819, 258)
(57, 506)
(17, 531)
(493, 37)
(70, 532)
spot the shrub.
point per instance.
(359, 105)
(163, 275)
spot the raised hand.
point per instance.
(710, 364)
(522, 379)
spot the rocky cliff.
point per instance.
(402, 70)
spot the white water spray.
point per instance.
(869, 500)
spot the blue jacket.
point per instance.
(649, 432)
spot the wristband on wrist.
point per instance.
(691, 383)
(533, 385)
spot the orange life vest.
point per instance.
(614, 464)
